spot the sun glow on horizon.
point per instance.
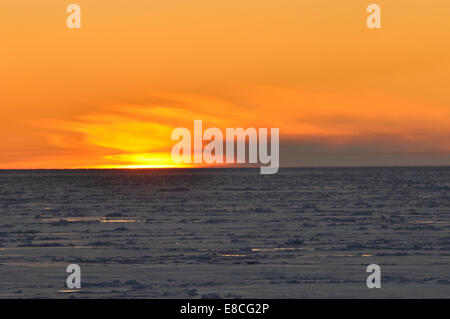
(143, 166)
(141, 160)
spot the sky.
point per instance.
(110, 94)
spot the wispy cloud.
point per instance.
(139, 135)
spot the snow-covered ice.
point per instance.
(229, 233)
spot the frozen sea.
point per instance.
(226, 233)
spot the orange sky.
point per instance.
(109, 94)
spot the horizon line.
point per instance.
(217, 167)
